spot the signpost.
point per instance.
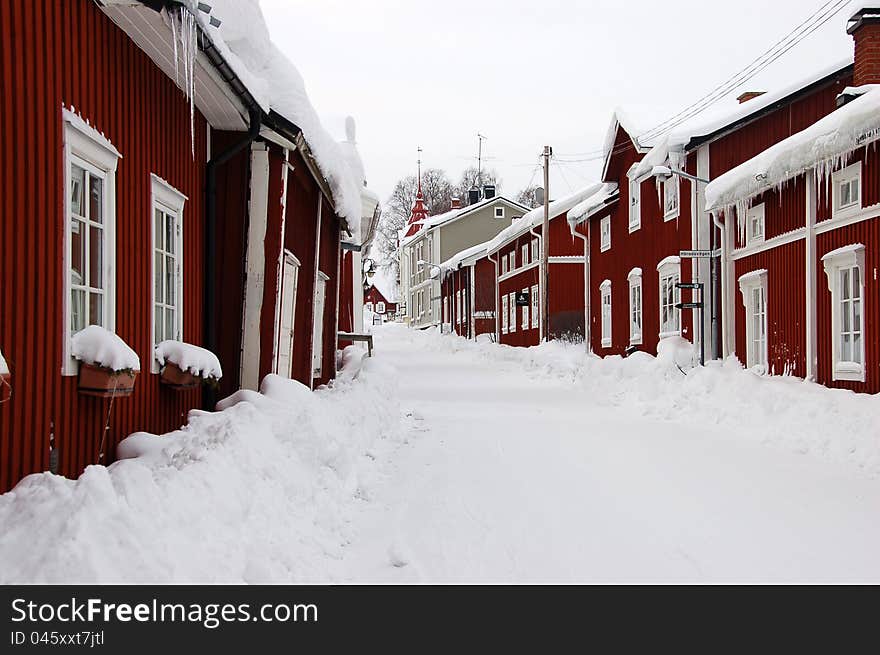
(699, 254)
(694, 286)
(522, 299)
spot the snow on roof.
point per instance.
(474, 252)
(858, 6)
(386, 284)
(588, 206)
(447, 216)
(825, 145)
(243, 40)
(535, 216)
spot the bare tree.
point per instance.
(528, 196)
(471, 177)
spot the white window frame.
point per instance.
(750, 284)
(504, 314)
(446, 317)
(755, 215)
(635, 200)
(499, 212)
(380, 307)
(525, 312)
(669, 274)
(606, 312)
(511, 324)
(536, 255)
(605, 234)
(851, 175)
(89, 150)
(671, 190)
(848, 257)
(635, 307)
(169, 200)
(504, 265)
(318, 336)
(535, 310)
(369, 306)
(525, 254)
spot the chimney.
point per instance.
(489, 191)
(473, 196)
(864, 26)
(456, 203)
(750, 95)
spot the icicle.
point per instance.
(184, 35)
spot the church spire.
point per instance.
(419, 213)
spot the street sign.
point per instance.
(698, 254)
(689, 285)
(522, 299)
(689, 305)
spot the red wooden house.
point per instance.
(804, 238)
(468, 290)
(635, 243)
(378, 303)
(130, 208)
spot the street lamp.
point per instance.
(664, 173)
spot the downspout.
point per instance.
(725, 283)
(542, 282)
(497, 302)
(586, 241)
(255, 118)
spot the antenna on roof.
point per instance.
(479, 181)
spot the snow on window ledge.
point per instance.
(189, 358)
(99, 347)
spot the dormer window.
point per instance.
(755, 225)
(635, 200)
(671, 198)
(847, 188)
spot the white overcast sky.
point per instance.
(526, 72)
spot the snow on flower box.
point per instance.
(185, 366)
(5, 376)
(108, 366)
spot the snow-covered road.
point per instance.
(514, 476)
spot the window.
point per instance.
(755, 224)
(90, 217)
(504, 314)
(753, 287)
(635, 201)
(635, 306)
(605, 234)
(605, 289)
(318, 345)
(535, 255)
(499, 212)
(380, 307)
(845, 270)
(287, 318)
(671, 197)
(525, 312)
(847, 186)
(670, 316)
(525, 255)
(535, 306)
(504, 265)
(369, 306)
(512, 322)
(167, 264)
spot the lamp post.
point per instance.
(664, 173)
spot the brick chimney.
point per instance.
(864, 26)
(456, 203)
(750, 95)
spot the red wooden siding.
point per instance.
(374, 296)
(784, 211)
(328, 263)
(346, 295)
(484, 296)
(786, 328)
(66, 52)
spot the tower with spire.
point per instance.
(419, 213)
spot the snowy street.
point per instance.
(518, 475)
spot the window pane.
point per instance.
(158, 322)
(854, 191)
(169, 233)
(857, 348)
(77, 254)
(96, 257)
(96, 199)
(857, 315)
(169, 281)
(158, 276)
(169, 324)
(846, 324)
(77, 179)
(77, 310)
(856, 282)
(158, 230)
(846, 349)
(96, 309)
(844, 283)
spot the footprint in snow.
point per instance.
(397, 555)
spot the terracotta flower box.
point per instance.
(5, 387)
(104, 382)
(177, 379)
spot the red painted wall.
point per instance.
(374, 296)
(66, 52)
(328, 263)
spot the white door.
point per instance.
(318, 326)
(289, 277)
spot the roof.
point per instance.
(385, 284)
(455, 214)
(466, 256)
(824, 145)
(604, 196)
(535, 217)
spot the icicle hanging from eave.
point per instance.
(184, 35)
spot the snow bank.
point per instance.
(782, 411)
(99, 347)
(243, 39)
(263, 491)
(198, 361)
(826, 145)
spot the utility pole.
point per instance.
(480, 138)
(545, 240)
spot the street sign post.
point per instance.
(699, 254)
(694, 286)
